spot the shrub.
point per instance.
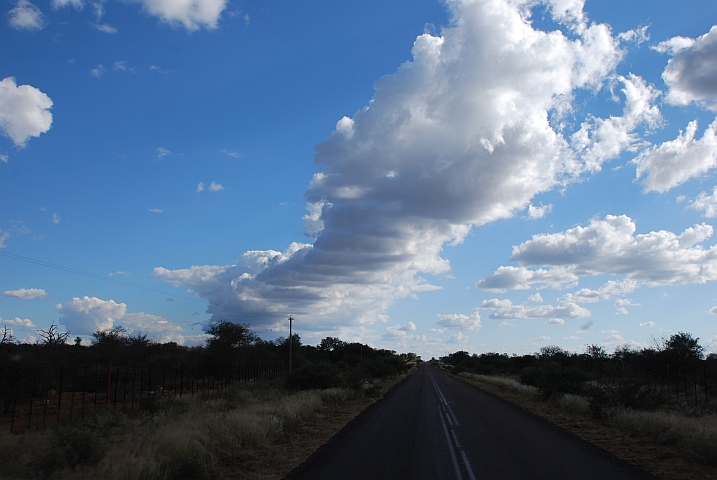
(551, 380)
(315, 376)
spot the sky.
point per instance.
(426, 176)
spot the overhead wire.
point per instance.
(93, 275)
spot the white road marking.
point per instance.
(445, 408)
(456, 468)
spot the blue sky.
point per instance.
(424, 176)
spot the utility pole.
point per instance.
(291, 342)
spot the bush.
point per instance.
(553, 380)
(314, 376)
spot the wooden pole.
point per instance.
(291, 342)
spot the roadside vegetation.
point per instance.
(248, 429)
(655, 407)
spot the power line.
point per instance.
(92, 275)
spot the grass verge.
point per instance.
(256, 431)
(666, 444)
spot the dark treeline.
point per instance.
(230, 351)
(673, 371)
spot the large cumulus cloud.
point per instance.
(466, 133)
(610, 246)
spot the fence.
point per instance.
(689, 385)
(76, 392)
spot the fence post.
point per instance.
(109, 383)
(59, 393)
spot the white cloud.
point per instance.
(674, 162)
(4, 236)
(610, 246)
(120, 272)
(505, 309)
(105, 27)
(156, 210)
(121, 66)
(521, 278)
(556, 321)
(625, 302)
(691, 72)
(18, 322)
(162, 152)
(233, 154)
(26, 16)
(4, 158)
(535, 298)
(77, 4)
(460, 321)
(599, 139)
(713, 311)
(55, 218)
(458, 137)
(399, 331)
(611, 289)
(707, 203)
(200, 187)
(648, 324)
(538, 212)
(26, 293)
(98, 71)
(24, 111)
(215, 187)
(458, 338)
(192, 14)
(83, 316)
(637, 36)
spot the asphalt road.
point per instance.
(432, 426)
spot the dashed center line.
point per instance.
(444, 409)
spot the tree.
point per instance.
(227, 336)
(681, 347)
(329, 344)
(7, 336)
(113, 337)
(52, 338)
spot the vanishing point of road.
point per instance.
(433, 426)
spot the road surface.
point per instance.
(433, 426)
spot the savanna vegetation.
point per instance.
(655, 406)
(245, 429)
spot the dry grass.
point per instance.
(670, 445)
(233, 434)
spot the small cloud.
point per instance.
(587, 326)
(98, 71)
(3, 158)
(544, 338)
(162, 152)
(215, 187)
(681, 198)
(648, 324)
(160, 70)
(538, 212)
(458, 338)
(104, 27)
(713, 311)
(200, 187)
(26, 293)
(535, 298)
(120, 273)
(505, 323)
(556, 321)
(26, 16)
(622, 311)
(3, 238)
(156, 210)
(233, 154)
(18, 322)
(121, 66)
(55, 218)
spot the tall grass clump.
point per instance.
(189, 438)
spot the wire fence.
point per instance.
(71, 393)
